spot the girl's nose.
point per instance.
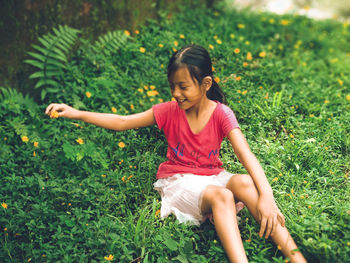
(176, 92)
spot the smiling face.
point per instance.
(187, 91)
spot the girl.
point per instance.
(192, 183)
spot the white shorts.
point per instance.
(182, 195)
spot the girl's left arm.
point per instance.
(268, 211)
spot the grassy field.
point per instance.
(73, 192)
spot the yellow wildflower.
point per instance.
(174, 49)
(249, 56)
(232, 35)
(25, 139)
(219, 41)
(152, 93)
(245, 64)
(237, 50)
(54, 114)
(215, 37)
(326, 101)
(279, 247)
(142, 50)
(157, 212)
(103, 175)
(137, 32)
(291, 136)
(123, 178)
(88, 94)
(238, 78)
(140, 90)
(244, 92)
(34, 153)
(247, 43)
(260, 87)
(275, 179)
(162, 65)
(36, 144)
(160, 45)
(347, 97)
(182, 36)
(212, 68)
(285, 22)
(312, 115)
(131, 176)
(239, 91)
(132, 106)
(340, 82)
(121, 145)
(109, 258)
(217, 79)
(80, 141)
(126, 32)
(152, 87)
(114, 110)
(241, 26)
(176, 43)
(160, 100)
(211, 46)
(271, 21)
(248, 240)
(262, 54)
(4, 205)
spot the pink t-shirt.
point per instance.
(189, 152)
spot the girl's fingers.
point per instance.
(269, 227)
(275, 222)
(262, 226)
(281, 219)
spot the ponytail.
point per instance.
(216, 93)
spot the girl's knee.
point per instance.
(215, 195)
(240, 181)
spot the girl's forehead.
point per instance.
(181, 75)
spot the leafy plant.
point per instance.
(51, 58)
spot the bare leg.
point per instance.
(220, 202)
(244, 189)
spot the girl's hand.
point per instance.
(55, 110)
(269, 215)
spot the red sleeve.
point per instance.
(228, 120)
(162, 112)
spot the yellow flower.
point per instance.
(244, 92)
(162, 65)
(173, 99)
(249, 56)
(260, 87)
(292, 191)
(241, 26)
(140, 90)
(157, 212)
(340, 82)
(211, 46)
(347, 97)
(247, 43)
(182, 36)
(262, 54)
(245, 64)
(137, 32)
(217, 79)
(54, 114)
(123, 178)
(80, 141)
(126, 32)
(132, 106)
(109, 258)
(285, 22)
(121, 145)
(291, 136)
(34, 153)
(176, 43)
(279, 247)
(174, 49)
(237, 50)
(114, 110)
(103, 175)
(271, 21)
(212, 68)
(215, 37)
(248, 240)
(4, 205)
(160, 100)
(88, 94)
(131, 176)
(152, 93)
(275, 179)
(326, 101)
(312, 115)
(25, 139)
(142, 50)
(219, 41)
(160, 45)
(232, 35)
(152, 87)
(36, 144)
(238, 78)
(239, 91)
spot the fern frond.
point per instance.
(111, 42)
(51, 57)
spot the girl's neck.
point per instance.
(201, 108)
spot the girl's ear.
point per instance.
(206, 82)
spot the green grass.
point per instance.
(293, 105)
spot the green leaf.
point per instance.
(171, 244)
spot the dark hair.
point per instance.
(197, 60)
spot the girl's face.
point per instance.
(185, 90)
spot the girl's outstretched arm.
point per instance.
(268, 212)
(104, 120)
